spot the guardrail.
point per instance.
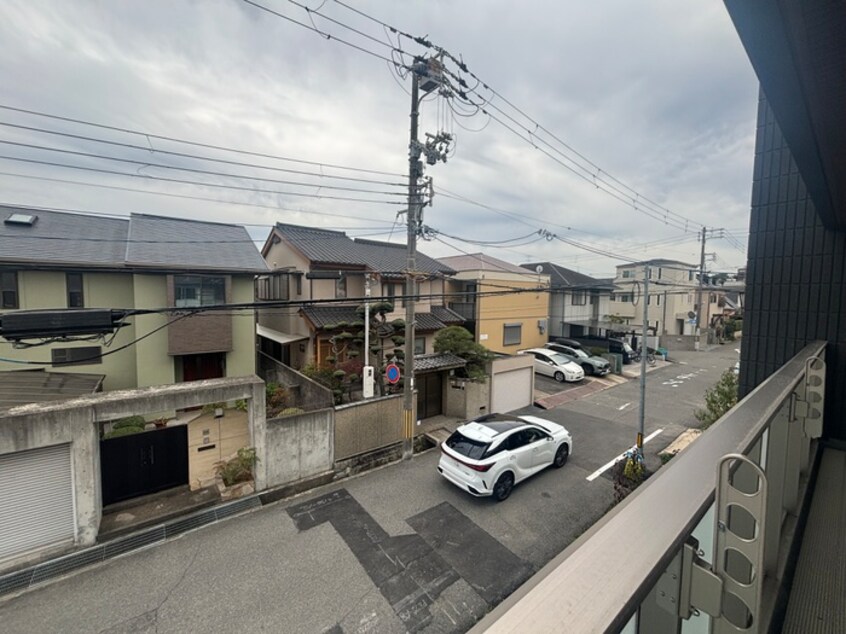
(703, 539)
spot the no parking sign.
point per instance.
(392, 373)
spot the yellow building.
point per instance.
(488, 293)
(74, 262)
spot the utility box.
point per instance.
(367, 382)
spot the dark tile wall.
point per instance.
(795, 278)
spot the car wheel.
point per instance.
(589, 369)
(503, 486)
(561, 456)
(559, 376)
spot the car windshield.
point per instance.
(582, 354)
(559, 358)
(460, 443)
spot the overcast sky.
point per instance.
(658, 94)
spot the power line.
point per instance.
(210, 146)
(149, 149)
(197, 183)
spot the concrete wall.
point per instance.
(77, 421)
(309, 394)
(299, 446)
(368, 425)
(678, 342)
(467, 399)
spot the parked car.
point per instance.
(618, 346)
(490, 454)
(551, 363)
(590, 364)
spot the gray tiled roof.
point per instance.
(330, 316)
(322, 246)
(480, 262)
(142, 240)
(447, 316)
(203, 245)
(437, 361)
(562, 276)
(62, 238)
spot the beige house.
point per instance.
(52, 260)
(486, 292)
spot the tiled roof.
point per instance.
(437, 361)
(203, 245)
(447, 316)
(62, 238)
(561, 276)
(322, 246)
(19, 387)
(328, 317)
(480, 262)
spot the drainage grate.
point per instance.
(41, 572)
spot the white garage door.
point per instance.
(511, 390)
(36, 499)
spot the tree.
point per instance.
(459, 341)
(381, 332)
(719, 399)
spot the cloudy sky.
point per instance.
(631, 123)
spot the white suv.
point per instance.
(489, 455)
(554, 364)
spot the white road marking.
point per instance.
(593, 476)
(622, 407)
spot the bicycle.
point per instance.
(650, 356)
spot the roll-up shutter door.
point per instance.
(36, 500)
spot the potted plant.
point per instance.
(234, 476)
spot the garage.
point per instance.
(36, 500)
(512, 389)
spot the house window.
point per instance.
(578, 298)
(657, 300)
(659, 272)
(341, 287)
(649, 300)
(690, 275)
(193, 290)
(272, 287)
(86, 355)
(628, 273)
(389, 290)
(420, 345)
(594, 299)
(299, 284)
(76, 299)
(626, 298)
(9, 289)
(511, 334)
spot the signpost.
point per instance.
(392, 373)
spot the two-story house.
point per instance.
(671, 303)
(333, 271)
(489, 293)
(58, 260)
(579, 304)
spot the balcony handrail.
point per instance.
(599, 581)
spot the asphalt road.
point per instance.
(394, 550)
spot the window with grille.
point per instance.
(86, 355)
(511, 334)
(76, 298)
(193, 290)
(9, 289)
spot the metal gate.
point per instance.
(36, 500)
(138, 464)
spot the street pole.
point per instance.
(697, 343)
(414, 170)
(367, 376)
(643, 353)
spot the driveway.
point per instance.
(396, 549)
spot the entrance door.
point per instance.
(138, 464)
(196, 367)
(429, 395)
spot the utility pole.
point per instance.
(699, 293)
(643, 355)
(415, 167)
(367, 378)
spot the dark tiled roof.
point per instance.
(447, 316)
(427, 322)
(62, 238)
(563, 277)
(332, 316)
(322, 246)
(437, 361)
(19, 387)
(203, 245)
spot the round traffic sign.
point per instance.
(392, 373)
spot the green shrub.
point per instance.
(130, 421)
(239, 468)
(718, 400)
(126, 430)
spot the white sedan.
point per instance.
(554, 364)
(489, 455)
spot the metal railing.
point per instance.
(466, 309)
(700, 546)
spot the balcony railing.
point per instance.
(701, 545)
(465, 309)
